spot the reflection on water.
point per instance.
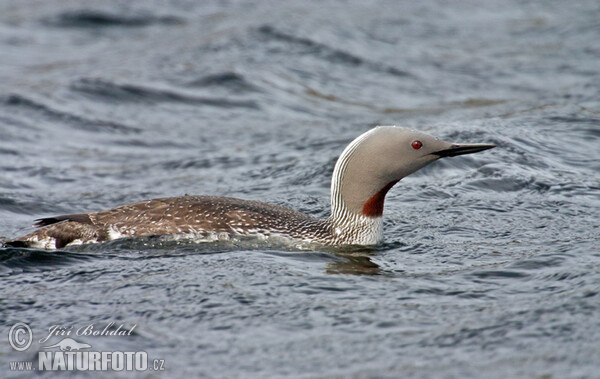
(355, 260)
(353, 264)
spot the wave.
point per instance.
(328, 53)
(114, 92)
(18, 260)
(79, 122)
(89, 18)
(228, 80)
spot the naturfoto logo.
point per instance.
(69, 354)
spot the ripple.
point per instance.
(89, 18)
(216, 162)
(26, 205)
(579, 120)
(508, 183)
(499, 274)
(69, 117)
(113, 93)
(328, 53)
(16, 260)
(539, 263)
(229, 80)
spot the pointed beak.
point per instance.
(463, 148)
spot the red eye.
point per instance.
(417, 145)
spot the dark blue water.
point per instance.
(491, 266)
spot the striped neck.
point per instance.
(356, 203)
(355, 229)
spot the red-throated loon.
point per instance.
(362, 176)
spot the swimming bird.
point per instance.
(365, 171)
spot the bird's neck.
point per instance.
(356, 200)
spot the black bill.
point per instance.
(466, 148)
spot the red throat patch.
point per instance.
(374, 206)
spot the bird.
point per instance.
(363, 174)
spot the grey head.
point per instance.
(378, 159)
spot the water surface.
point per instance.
(491, 264)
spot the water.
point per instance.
(491, 265)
